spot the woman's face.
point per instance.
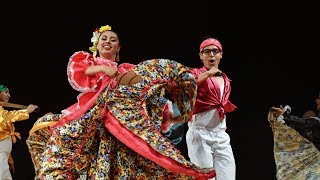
(108, 45)
(4, 96)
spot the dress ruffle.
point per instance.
(89, 86)
(119, 135)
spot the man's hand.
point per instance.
(213, 71)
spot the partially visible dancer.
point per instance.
(7, 132)
(296, 142)
(177, 135)
(207, 140)
(115, 130)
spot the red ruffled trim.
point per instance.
(141, 147)
(90, 86)
(78, 63)
(84, 107)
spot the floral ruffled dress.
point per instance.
(295, 156)
(120, 135)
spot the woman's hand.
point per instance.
(110, 71)
(277, 111)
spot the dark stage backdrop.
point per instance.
(270, 53)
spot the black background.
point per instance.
(270, 53)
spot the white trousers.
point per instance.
(210, 148)
(5, 150)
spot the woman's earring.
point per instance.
(117, 56)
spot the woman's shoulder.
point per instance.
(81, 55)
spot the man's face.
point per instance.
(210, 56)
(4, 96)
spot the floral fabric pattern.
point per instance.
(87, 148)
(295, 157)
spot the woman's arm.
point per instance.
(110, 71)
